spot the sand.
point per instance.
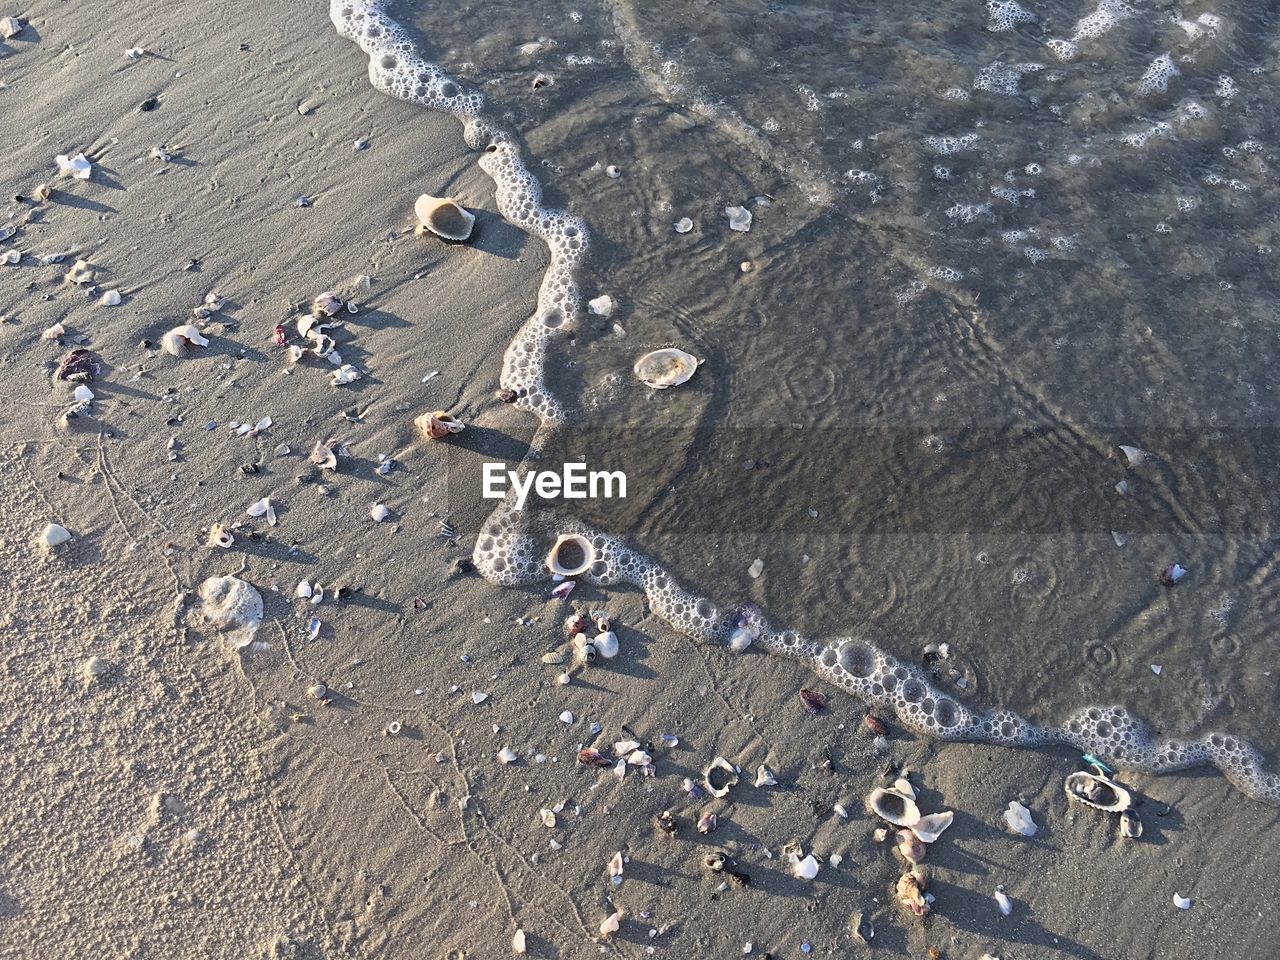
(196, 801)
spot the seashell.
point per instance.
(180, 339)
(95, 667)
(910, 892)
(739, 218)
(10, 27)
(1172, 574)
(379, 512)
(572, 555)
(566, 716)
(904, 787)
(263, 507)
(318, 690)
(805, 869)
(1181, 902)
(444, 217)
(639, 759)
(110, 299)
(1019, 819)
(615, 865)
(881, 834)
(602, 622)
(708, 821)
(623, 747)
(507, 755)
(327, 304)
(813, 701)
(1130, 824)
(555, 658)
(683, 225)
(575, 623)
(611, 924)
(562, 591)
(548, 818)
(591, 757)
(875, 725)
(393, 729)
(80, 273)
(11, 258)
(601, 306)
(746, 629)
(756, 568)
(233, 606)
(894, 807)
(311, 326)
(765, 777)
(586, 651)
(1135, 456)
(345, 374)
(436, 426)
(53, 332)
(1003, 902)
(518, 942)
(324, 455)
(77, 166)
(863, 929)
(606, 644)
(666, 822)
(910, 847)
(714, 861)
(1095, 790)
(929, 829)
(729, 778)
(665, 368)
(82, 394)
(54, 535)
(839, 810)
(220, 536)
(295, 353)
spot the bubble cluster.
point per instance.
(1158, 75)
(1107, 14)
(512, 546)
(1006, 14)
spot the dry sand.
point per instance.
(194, 801)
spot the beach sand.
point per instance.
(194, 800)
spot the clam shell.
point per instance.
(720, 763)
(54, 534)
(930, 828)
(893, 807)
(572, 554)
(444, 217)
(1098, 792)
(178, 340)
(606, 644)
(665, 368)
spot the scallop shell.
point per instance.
(720, 763)
(444, 217)
(1094, 790)
(930, 828)
(180, 339)
(894, 807)
(665, 368)
(572, 554)
(437, 425)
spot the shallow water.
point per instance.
(977, 268)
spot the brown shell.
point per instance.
(814, 702)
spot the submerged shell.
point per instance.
(728, 777)
(893, 807)
(233, 606)
(665, 368)
(572, 554)
(930, 828)
(1094, 790)
(739, 218)
(180, 339)
(444, 217)
(437, 425)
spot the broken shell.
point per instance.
(615, 865)
(747, 624)
(806, 869)
(623, 747)
(220, 536)
(729, 778)
(894, 807)
(42, 192)
(435, 426)
(507, 755)
(548, 817)
(765, 777)
(572, 554)
(739, 218)
(1172, 574)
(394, 728)
(929, 829)
(708, 821)
(81, 394)
(324, 456)
(670, 367)
(53, 332)
(1003, 902)
(554, 658)
(11, 258)
(54, 534)
(575, 623)
(601, 306)
(561, 591)
(813, 701)
(910, 891)
(379, 512)
(261, 508)
(1094, 790)
(591, 757)
(318, 691)
(910, 847)
(863, 929)
(612, 922)
(444, 217)
(606, 645)
(1019, 819)
(110, 299)
(714, 862)
(1130, 824)
(875, 725)
(77, 166)
(178, 340)
(80, 273)
(10, 27)
(683, 225)
(904, 787)
(1181, 902)
(666, 822)
(345, 374)
(328, 304)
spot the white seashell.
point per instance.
(1019, 819)
(95, 667)
(683, 225)
(756, 568)
(615, 865)
(479, 697)
(623, 747)
(54, 534)
(80, 273)
(111, 298)
(233, 606)
(327, 304)
(11, 258)
(82, 394)
(77, 166)
(555, 658)
(929, 829)
(1003, 902)
(765, 777)
(1099, 792)
(639, 759)
(606, 644)
(379, 512)
(1181, 902)
(1135, 456)
(840, 811)
(303, 589)
(54, 332)
(548, 818)
(10, 27)
(345, 374)
(507, 755)
(807, 868)
(601, 306)
(893, 806)
(739, 218)
(665, 368)
(261, 508)
(566, 717)
(904, 787)
(611, 924)
(572, 555)
(517, 942)
(444, 217)
(720, 763)
(220, 536)
(178, 340)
